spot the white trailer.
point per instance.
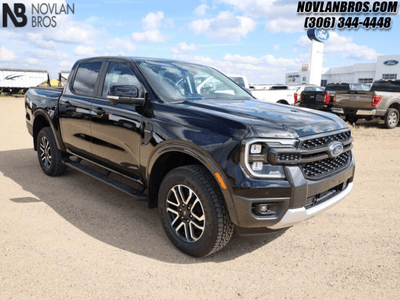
(20, 80)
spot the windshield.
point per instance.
(177, 81)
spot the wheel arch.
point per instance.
(395, 105)
(42, 120)
(282, 101)
(176, 154)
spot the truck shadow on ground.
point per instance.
(107, 214)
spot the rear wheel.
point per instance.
(50, 158)
(193, 212)
(392, 118)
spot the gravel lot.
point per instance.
(73, 237)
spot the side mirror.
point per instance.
(125, 94)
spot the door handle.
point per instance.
(67, 104)
(98, 111)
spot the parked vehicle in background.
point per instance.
(382, 102)
(191, 142)
(275, 94)
(322, 98)
(302, 91)
(18, 81)
(240, 80)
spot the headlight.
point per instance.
(255, 157)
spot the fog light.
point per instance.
(263, 208)
(255, 149)
(257, 166)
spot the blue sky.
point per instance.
(262, 39)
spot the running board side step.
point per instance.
(108, 180)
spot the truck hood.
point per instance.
(268, 119)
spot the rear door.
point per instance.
(75, 107)
(116, 128)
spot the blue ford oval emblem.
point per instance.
(335, 149)
(320, 35)
(391, 62)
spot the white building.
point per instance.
(386, 67)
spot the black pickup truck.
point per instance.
(191, 142)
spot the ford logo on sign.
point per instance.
(320, 35)
(391, 62)
(335, 149)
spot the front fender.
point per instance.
(202, 156)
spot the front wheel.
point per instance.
(193, 212)
(50, 158)
(391, 118)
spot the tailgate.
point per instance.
(356, 99)
(308, 97)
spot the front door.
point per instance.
(116, 134)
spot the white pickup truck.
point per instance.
(276, 93)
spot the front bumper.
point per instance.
(358, 112)
(290, 199)
(296, 215)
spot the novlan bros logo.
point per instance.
(19, 12)
(43, 14)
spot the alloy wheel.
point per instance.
(185, 213)
(45, 152)
(392, 120)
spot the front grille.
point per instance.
(325, 140)
(288, 156)
(325, 167)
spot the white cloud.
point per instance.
(121, 44)
(151, 24)
(152, 21)
(6, 54)
(201, 10)
(286, 25)
(153, 36)
(183, 48)
(85, 51)
(343, 46)
(225, 26)
(276, 47)
(281, 16)
(32, 61)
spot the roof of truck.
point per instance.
(137, 58)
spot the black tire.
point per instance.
(351, 119)
(282, 102)
(391, 118)
(50, 158)
(183, 224)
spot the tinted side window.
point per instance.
(386, 86)
(118, 74)
(85, 79)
